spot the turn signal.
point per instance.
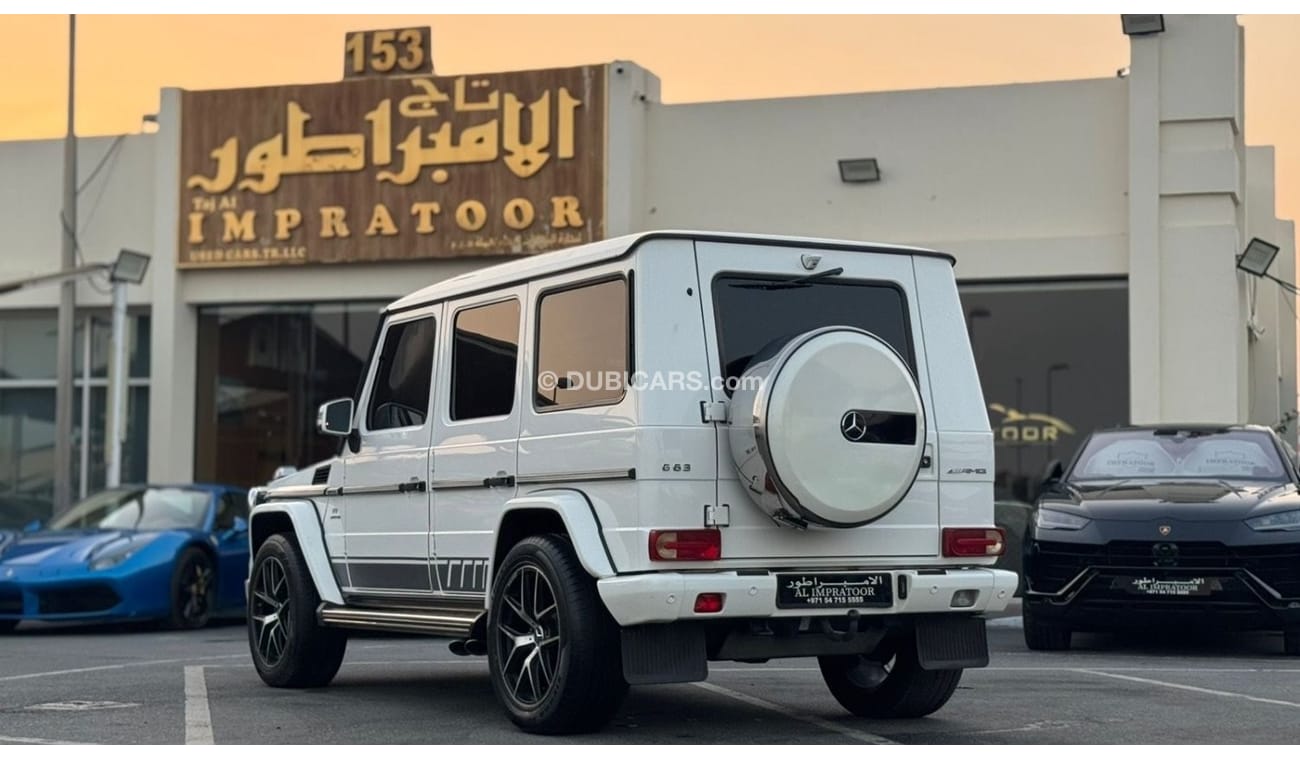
(702, 545)
(973, 542)
(709, 602)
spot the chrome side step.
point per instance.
(435, 622)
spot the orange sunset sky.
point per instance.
(122, 61)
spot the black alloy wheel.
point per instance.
(193, 590)
(290, 648)
(269, 608)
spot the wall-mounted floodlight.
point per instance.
(1257, 257)
(129, 267)
(859, 170)
(1139, 25)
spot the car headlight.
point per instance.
(1276, 521)
(1051, 519)
(113, 558)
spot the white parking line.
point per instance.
(829, 725)
(119, 666)
(198, 718)
(1185, 687)
(29, 740)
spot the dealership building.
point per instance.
(1096, 226)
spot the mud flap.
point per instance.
(664, 653)
(947, 642)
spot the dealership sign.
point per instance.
(373, 169)
(1020, 428)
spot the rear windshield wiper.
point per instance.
(798, 282)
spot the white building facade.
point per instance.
(1095, 223)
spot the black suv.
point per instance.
(1166, 525)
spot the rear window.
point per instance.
(757, 315)
(1128, 454)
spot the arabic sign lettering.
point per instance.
(393, 168)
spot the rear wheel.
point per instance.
(193, 590)
(290, 648)
(553, 650)
(1042, 636)
(889, 683)
(8, 625)
(1291, 642)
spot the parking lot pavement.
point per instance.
(143, 686)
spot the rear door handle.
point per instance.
(500, 480)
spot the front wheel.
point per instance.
(290, 648)
(889, 683)
(553, 649)
(1291, 642)
(8, 625)
(1042, 636)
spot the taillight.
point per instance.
(700, 545)
(709, 602)
(973, 542)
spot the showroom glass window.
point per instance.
(262, 372)
(28, 377)
(1053, 363)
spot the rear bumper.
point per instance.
(670, 596)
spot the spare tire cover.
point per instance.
(829, 429)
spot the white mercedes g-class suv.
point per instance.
(612, 464)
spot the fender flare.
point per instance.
(579, 517)
(311, 541)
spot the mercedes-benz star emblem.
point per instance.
(853, 426)
(1165, 529)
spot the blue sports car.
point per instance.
(178, 554)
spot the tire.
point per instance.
(193, 590)
(580, 650)
(290, 650)
(1291, 642)
(1041, 636)
(8, 625)
(906, 691)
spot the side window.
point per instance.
(484, 360)
(230, 507)
(583, 354)
(400, 396)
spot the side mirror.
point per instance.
(237, 528)
(1053, 474)
(335, 417)
(32, 526)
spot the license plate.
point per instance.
(1169, 587)
(829, 590)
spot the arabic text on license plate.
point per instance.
(1174, 587)
(834, 590)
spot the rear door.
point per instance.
(746, 308)
(475, 447)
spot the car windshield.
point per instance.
(137, 509)
(1232, 454)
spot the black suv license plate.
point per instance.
(821, 590)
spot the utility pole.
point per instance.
(67, 294)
